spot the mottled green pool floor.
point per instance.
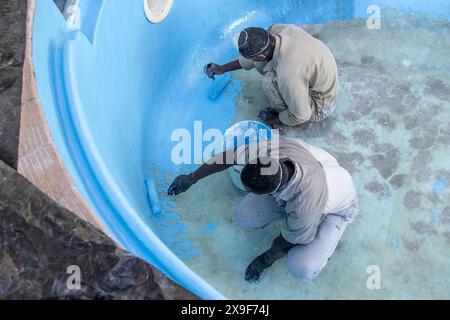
(391, 130)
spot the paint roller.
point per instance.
(219, 84)
(153, 197)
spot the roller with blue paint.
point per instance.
(219, 83)
(152, 195)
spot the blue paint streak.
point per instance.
(440, 185)
(209, 228)
(436, 216)
(386, 193)
(394, 243)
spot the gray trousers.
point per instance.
(304, 262)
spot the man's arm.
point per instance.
(279, 249)
(218, 163)
(221, 69)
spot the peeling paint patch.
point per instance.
(445, 215)
(411, 245)
(447, 236)
(437, 88)
(412, 200)
(364, 137)
(374, 187)
(423, 227)
(398, 180)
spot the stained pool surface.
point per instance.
(115, 87)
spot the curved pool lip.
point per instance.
(150, 247)
(103, 194)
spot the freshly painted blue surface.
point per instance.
(90, 14)
(153, 197)
(115, 90)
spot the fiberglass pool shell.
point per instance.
(114, 90)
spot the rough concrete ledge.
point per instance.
(39, 160)
(12, 39)
(39, 240)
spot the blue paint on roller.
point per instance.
(153, 197)
(219, 84)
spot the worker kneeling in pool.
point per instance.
(300, 73)
(297, 182)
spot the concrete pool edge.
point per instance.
(36, 146)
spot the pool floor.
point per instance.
(391, 130)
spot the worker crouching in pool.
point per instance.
(300, 73)
(297, 182)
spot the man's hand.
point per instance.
(256, 268)
(215, 69)
(279, 248)
(181, 184)
(271, 117)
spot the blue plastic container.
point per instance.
(243, 133)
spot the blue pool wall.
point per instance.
(436, 9)
(114, 91)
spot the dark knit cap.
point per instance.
(253, 41)
(259, 181)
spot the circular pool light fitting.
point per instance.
(157, 10)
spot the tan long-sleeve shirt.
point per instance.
(306, 73)
(319, 186)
